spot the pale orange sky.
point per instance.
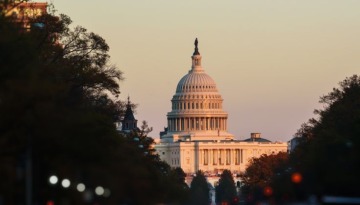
(271, 60)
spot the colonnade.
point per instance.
(220, 156)
(196, 105)
(197, 123)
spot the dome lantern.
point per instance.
(196, 59)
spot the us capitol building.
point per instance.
(196, 137)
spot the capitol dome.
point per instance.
(197, 112)
(196, 136)
(196, 81)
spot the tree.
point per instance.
(58, 107)
(178, 190)
(261, 172)
(167, 184)
(140, 138)
(199, 190)
(226, 190)
(329, 154)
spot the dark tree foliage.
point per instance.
(261, 170)
(226, 189)
(57, 108)
(329, 153)
(178, 191)
(199, 190)
(167, 184)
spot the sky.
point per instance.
(271, 59)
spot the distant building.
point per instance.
(293, 143)
(197, 138)
(23, 12)
(128, 123)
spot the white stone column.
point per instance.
(232, 151)
(206, 153)
(203, 123)
(241, 156)
(177, 124)
(181, 124)
(192, 123)
(207, 123)
(185, 120)
(173, 122)
(185, 125)
(170, 125)
(212, 123)
(220, 126)
(189, 125)
(197, 123)
(221, 157)
(216, 156)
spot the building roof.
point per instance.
(129, 114)
(259, 139)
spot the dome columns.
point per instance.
(181, 124)
(196, 104)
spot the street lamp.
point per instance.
(80, 187)
(53, 179)
(99, 190)
(65, 183)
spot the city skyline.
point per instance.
(271, 61)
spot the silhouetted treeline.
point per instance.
(58, 108)
(325, 161)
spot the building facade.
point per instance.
(23, 11)
(197, 138)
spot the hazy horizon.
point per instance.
(271, 60)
